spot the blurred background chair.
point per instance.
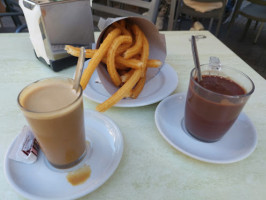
(254, 11)
(122, 8)
(184, 10)
(13, 10)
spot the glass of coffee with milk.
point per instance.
(54, 111)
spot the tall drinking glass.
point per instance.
(54, 111)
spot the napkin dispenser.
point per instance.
(52, 24)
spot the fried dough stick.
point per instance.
(131, 63)
(97, 57)
(75, 51)
(136, 48)
(115, 77)
(144, 58)
(121, 92)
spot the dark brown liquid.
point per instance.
(221, 85)
(209, 119)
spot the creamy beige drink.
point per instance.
(55, 113)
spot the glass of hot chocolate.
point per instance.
(54, 111)
(214, 103)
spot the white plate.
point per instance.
(238, 143)
(39, 181)
(156, 89)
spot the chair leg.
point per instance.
(16, 20)
(172, 15)
(235, 14)
(210, 24)
(176, 15)
(246, 29)
(178, 22)
(256, 24)
(230, 25)
(21, 28)
(258, 33)
(218, 27)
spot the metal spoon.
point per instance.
(79, 68)
(196, 57)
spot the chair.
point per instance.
(123, 8)
(13, 10)
(216, 14)
(255, 10)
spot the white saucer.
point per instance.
(38, 181)
(156, 89)
(237, 144)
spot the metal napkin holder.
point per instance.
(53, 24)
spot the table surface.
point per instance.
(150, 168)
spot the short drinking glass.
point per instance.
(213, 104)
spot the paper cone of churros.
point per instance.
(157, 47)
(129, 52)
